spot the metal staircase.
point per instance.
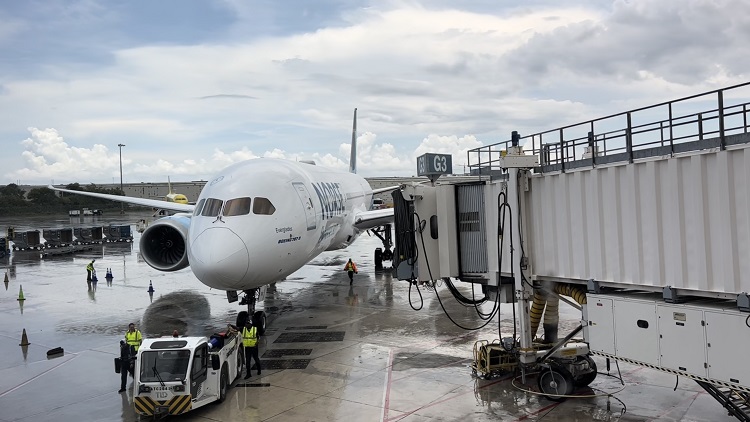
(736, 402)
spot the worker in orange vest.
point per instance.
(351, 269)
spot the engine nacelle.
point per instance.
(164, 243)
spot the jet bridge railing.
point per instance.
(708, 120)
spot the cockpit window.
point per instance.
(239, 206)
(263, 206)
(212, 207)
(199, 207)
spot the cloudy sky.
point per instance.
(190, 87)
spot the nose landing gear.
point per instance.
(383, 254)
(250, 299)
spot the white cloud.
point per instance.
(412, 70)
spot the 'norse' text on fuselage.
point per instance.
(331, 199)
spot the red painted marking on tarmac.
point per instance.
(398, 418)
(429, 369)
(538, 411)
(386, 402)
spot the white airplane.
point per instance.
(259, 221)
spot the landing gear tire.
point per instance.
(223, 385)
(259, 321)
(587, 378)
(242, 318)
(378, 258)
(555, 381)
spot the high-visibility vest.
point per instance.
(249, 337)
(133, 339)
(90, 267)
(350, 266)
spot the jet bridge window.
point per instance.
(212, 207)
(238, 206)
(263, 206)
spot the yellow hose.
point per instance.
(575, 292)
(537, 308)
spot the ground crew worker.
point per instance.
(250, 341)
(351, 269)
(90, 270)
(127, 354)
(133, 337)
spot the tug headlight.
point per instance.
(178, 388)
(144, 389)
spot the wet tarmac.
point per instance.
(372, 358)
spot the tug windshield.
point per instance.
(170, 365)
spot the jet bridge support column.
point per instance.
(515, 161)
(523, 290)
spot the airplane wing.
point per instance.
(155, 203)
(374, 218)
(388, 189)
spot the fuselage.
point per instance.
(260, 220)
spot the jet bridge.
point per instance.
(647, 214)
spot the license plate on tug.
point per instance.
(161, 410)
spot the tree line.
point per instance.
(15, 201)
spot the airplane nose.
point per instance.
(219, 257)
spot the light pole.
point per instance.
(122, 204)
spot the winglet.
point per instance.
(169, 184)
(353, 156)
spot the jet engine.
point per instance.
(164, 243)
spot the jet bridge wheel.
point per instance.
(587, 378)
(555, 381)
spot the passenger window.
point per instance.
(239, 206)
(199, 207)
(263, 206)
(212, 207)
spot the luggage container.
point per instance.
(58, 237)
(27, 240)
(88, 235)
(118, 233)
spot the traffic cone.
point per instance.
(20, 294)
(24, 339)
(150, 287)
(6, 277)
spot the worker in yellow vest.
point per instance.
(90, 270)
(351, 269)
(250, 342)
(133, 337)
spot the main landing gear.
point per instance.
(250, 298)
(383, 254)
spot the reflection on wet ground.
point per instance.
(363, 353)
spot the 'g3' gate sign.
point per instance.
(434, 165)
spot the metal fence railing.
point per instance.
(632, 134)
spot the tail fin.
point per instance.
(353, 156)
